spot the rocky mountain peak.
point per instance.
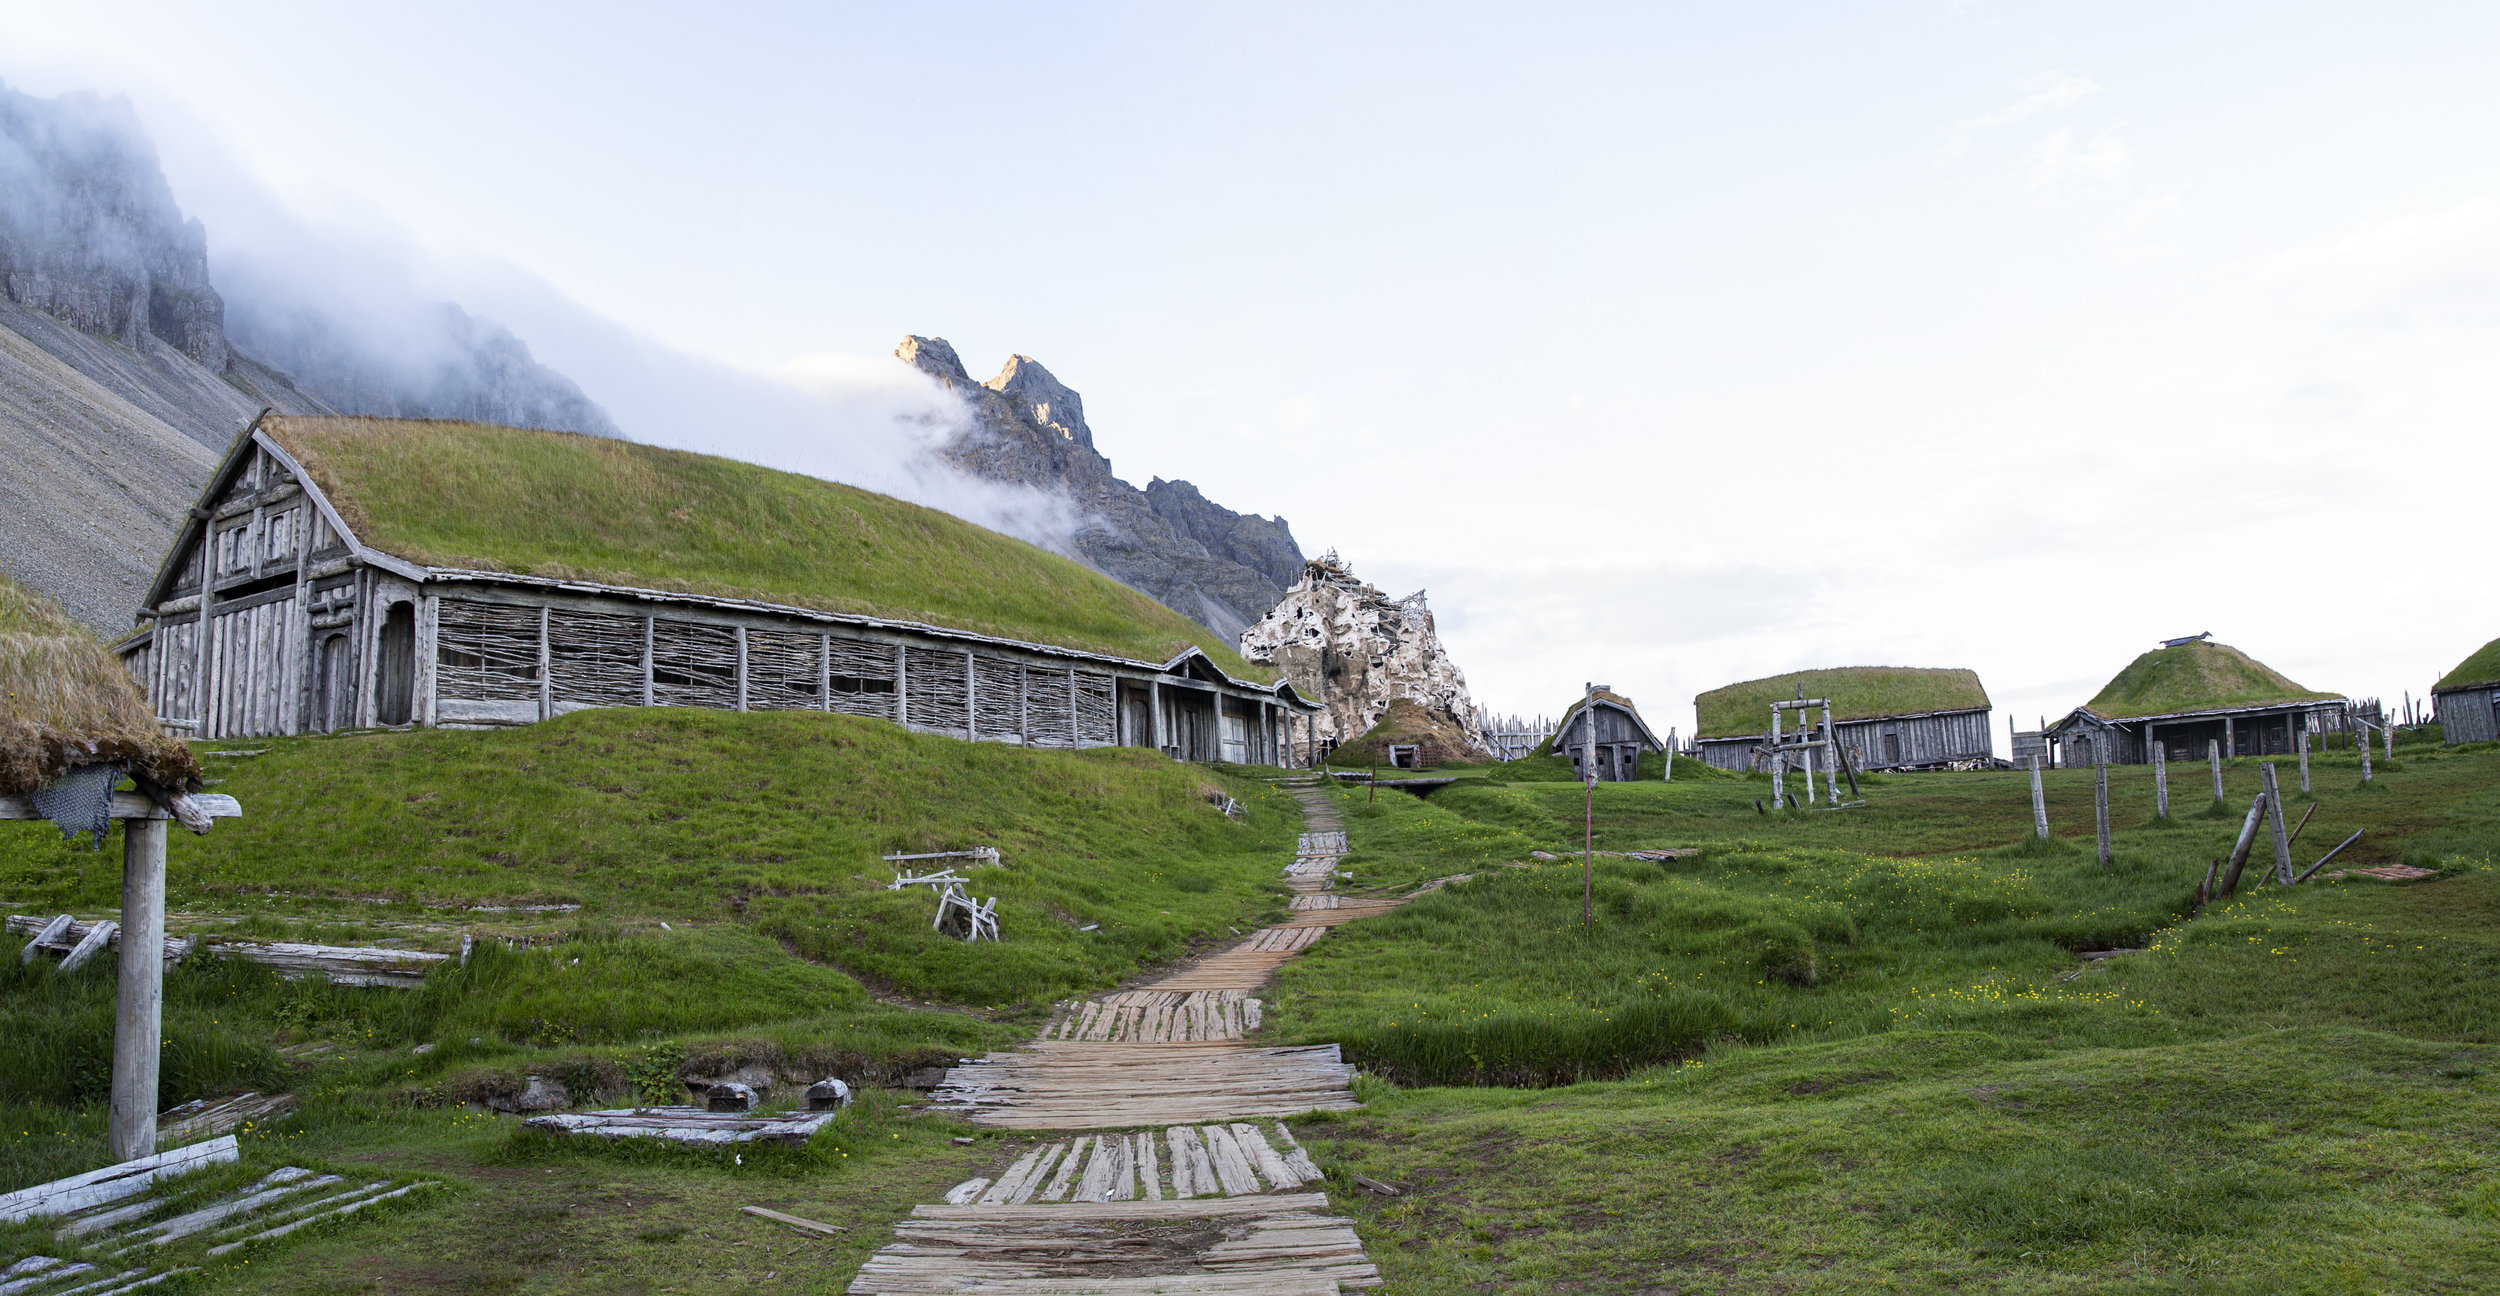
(1025, 427)
(1052, 403)
(935, 357)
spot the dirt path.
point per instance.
(1191, 1196)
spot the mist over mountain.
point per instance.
(129, 325)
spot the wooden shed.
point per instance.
(2467, 699)
(347, 573)
(2186, 694)
(1888, 717)
(1621, 736)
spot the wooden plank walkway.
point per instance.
(1179, 1193)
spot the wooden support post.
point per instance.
(2389, 730)
(2039, 801)
(1806, 755)
(2361, 739)
(139, 1007)
(2304, 760)
(824, 672)
(1077, 739)
(2230, 739)
(1779, 764)
(2274, 817)
(1831, 753)
(2100, 798)
(902, 686)
(2161, 778)
(742, 668)
(1670, 778)
(646, 661)
(2213, 753)
(546, 676)
(972, 700)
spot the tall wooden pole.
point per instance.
(2361, 733)
(2274, 816)
(2039, 801)
(2161, 780)
(1779, 765)
(2213, 753)
(139, 1007)
(2304, 760)
(1588, 812)
(2100, 796)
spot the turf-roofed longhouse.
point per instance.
(1620, 739)
(1889, 717)
(358, 572)
(2186, 694)
(2468, 698)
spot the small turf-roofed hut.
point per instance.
(72, 727)
(2186, 694)
(353, 572)
(1621, 736)
(1888, 717)
(2468, 698)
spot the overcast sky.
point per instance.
(1667, 346)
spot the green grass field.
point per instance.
(1856, 1051)
(1824, 1052)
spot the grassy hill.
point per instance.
(2195, 677)
(2478, 671)
(1856, 693)
(559, 504)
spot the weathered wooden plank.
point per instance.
(112, 1183)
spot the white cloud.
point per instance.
(2063, 170)
(2440, 267)
(2043, 93)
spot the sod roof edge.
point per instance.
(477, 501)
(2482, 670)
(1857, 693)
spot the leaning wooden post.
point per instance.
(2361, 734)
(2304, 760)
(139, 1007)
(2274, 816)
(2389, 730)
(2239, 849)
(2039, 801)
(2213, 753)
(2161, 780)
(2100, 798)
(1831, 751)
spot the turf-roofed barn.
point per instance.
(1888, 717)
(2186, 694)
(357, 572)
(2468, 698)
(66, 707)
(1621, 736)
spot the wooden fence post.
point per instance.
(139, 1005)
(2100, 799)
(1779, 764)
(2239, 849)
(2039, 801)
(2161, 780)
(2389, 729)
(2304, 760)
(2213, 753)
(2274, 816)
(2361, 739)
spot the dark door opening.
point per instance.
(395, 689)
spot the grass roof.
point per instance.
(1856, 693)
(449, 494)
(2482, 670)
(2200, 676)
(66, 702)
(1546, 747)
(1407, 722)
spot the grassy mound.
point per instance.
(2195, 677)
(2482, 670)
(561, 504)
(1856, 693)
(1406, 723)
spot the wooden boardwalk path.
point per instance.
(1188, 1196)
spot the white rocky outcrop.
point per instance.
(1347, 645)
